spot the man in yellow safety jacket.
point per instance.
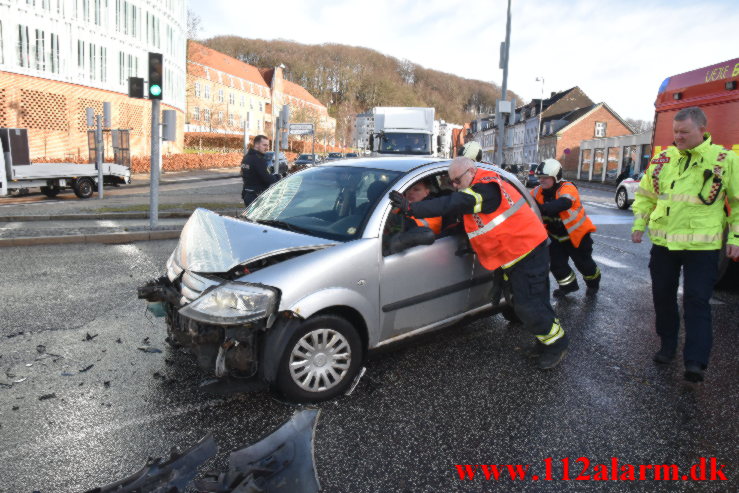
(682, 199)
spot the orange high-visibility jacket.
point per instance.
(508, 234)
(434, 223)
(575, 221)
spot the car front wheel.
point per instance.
(321, 359)
(622, 200)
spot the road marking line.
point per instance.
(598, 204)
(107, 223)
(609, 262)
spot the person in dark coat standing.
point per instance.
(254, 170)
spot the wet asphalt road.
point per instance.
(466, 395)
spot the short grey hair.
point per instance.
(694, 113)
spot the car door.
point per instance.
(424, 285)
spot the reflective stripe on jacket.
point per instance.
(575, 220)
(502, 237)
(683, 194)
(434, 223)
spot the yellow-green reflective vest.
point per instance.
(683, 194)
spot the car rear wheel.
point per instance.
(622, 199)
(321, 359)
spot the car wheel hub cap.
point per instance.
(320, 360)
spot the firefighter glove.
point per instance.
(399, 201)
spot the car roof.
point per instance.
(402, 164)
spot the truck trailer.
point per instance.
(17, 173)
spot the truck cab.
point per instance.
(403, 132)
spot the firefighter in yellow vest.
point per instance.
(682, 199)
(569, 229)
(505, 233)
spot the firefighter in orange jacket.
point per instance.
(505, 233)
(569, 229)
(417, 192)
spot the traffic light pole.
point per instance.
(155, 157)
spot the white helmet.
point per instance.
(550, 167)
(472, 150)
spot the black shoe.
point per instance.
(565, 290)
(591, 291)
(550, 359)
(693, 372)
(664, 356)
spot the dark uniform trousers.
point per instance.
(248, 196)
(582, 257)
(529, 279)
(700, 272)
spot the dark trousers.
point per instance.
(700, 271)
(529, 279)
(248, 196)
(582, 257)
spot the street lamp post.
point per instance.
(538, 127)
(504, 65)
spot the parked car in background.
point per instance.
(626, 191)
(306, 160)
(351, 155)
(282, 164)
(333, 156)
(312, 276)
(528, 175)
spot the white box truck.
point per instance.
(17, 173)
(403, 131)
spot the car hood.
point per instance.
(211, 243)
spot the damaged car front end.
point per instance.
(209, 309)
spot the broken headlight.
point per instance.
(232, 304)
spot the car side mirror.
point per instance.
(413, 237)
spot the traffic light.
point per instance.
(136, 87)
(156, 76)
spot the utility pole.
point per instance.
(504, 52)
(538, 128)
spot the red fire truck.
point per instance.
(715, 89)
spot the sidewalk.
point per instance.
(118, 218)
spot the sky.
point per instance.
(617, 51)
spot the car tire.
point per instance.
(83, 187)
(51, 192)
(622, 199)
(322, 343)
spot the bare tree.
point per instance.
(639, 126)
(193, 24)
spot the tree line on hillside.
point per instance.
(351, 80)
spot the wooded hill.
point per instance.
(351, 80)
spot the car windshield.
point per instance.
(334, 154)
(306, 157)
(398, 143)
(329, 202)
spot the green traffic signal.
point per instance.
(155, 90)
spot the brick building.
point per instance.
(59, 57)
(226, 95)
(561, 134)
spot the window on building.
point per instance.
(2, 46)
(206, 115)
(40, 51)
(260, 106)
(197, 89)
(207, 73)
(600, 129)
(220, 95)
(86, 10)
(122, 67)
(231, 98)
(207, 92)
(196, 114)
(53, 53)
(230, 120)
(248, 119)
(24, 50)
(93, 61)
(103, 64)
(243, 98)
(98, 14)
(231, 80)
(259, 124)
(220, 77)
(220, 117)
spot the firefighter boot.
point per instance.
(566, 286)
(666, 352)
(552, 353)
(593, 283)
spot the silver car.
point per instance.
(315, 273)
(626, 191)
